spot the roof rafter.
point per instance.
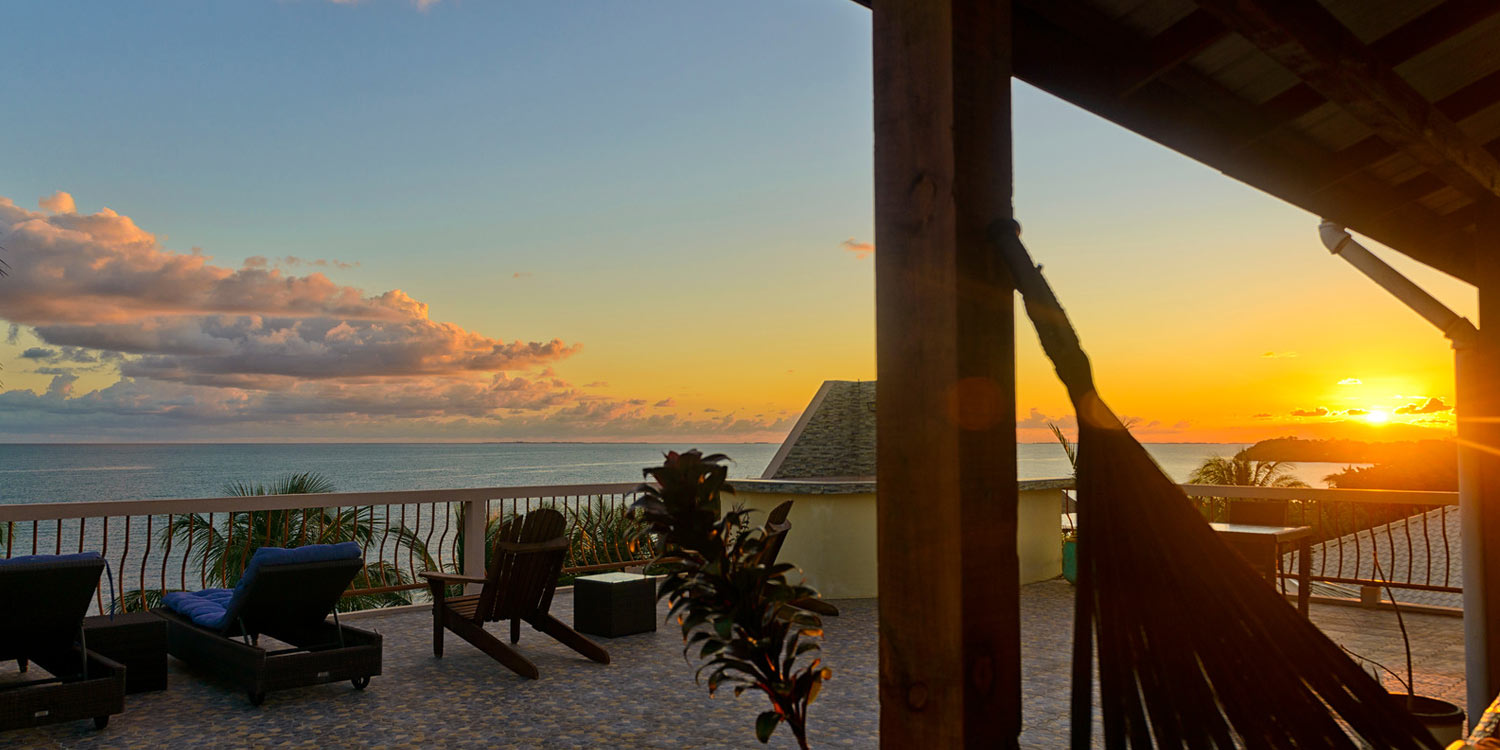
(1311, 43)
(1070, 50)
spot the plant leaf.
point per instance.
(765, 724)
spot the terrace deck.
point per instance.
(644, 699)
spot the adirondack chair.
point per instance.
(518, 587)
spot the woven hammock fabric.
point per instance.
(1195, 649)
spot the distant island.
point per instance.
(1407, 465)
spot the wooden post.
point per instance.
(949, 623)
(474, 521)
(1478, 376)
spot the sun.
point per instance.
(1375, 416)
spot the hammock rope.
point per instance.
(1194, 648)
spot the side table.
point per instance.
(614, 604)
(136, 639)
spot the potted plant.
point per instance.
(750, 626)
(1069, 534)
(1445, 720)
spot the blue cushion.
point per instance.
(211, 608)
(77, 557)
(204, 607)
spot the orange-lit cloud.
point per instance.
(58, 203)
(1357, 412)
(1279, 355)
(1432, 405)
(196, 347)
(1321, 411)
(861, 250)
(1350, 381)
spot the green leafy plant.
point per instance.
(748, 624)
(222, 547)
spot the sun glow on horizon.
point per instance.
(1376, 416)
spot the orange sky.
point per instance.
(691, 273)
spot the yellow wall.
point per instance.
(833, 537)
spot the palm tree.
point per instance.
(223, 547)
(1242, 472)
(1239, 472)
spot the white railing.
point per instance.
(1402, 538)
(155, 546)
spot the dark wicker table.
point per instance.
(138, 640)
(614, 604)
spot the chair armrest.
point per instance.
(434, 576)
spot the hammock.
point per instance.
(1195, 650)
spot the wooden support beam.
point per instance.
(1316, 47)
(1075, 56)
(1478, 375)
(949, 597)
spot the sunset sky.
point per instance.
(645, 220)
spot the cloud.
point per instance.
(1350, 381)
(662, 404)
(58, 203)
(1279, 355)
(596, 384)
(198, 350)
(1321, 411)
(1262, 415)
(1036, 419)
(861, 250)
(101, 282)
(14, 335)
(1432, 405)
(1182, 425)
(521, 275)
(1357, 412)
(61, 385)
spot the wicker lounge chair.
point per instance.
(46, 598)
(518, 587)
(285, 594)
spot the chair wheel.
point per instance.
(360, 683)
(257, 698)
(101, 722)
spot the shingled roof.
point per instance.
(834, 438)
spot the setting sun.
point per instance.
(1378, 417)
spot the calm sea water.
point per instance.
(69, 473)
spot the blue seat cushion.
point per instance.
(211, 608)
(36, 559)
(204, 607)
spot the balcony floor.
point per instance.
(645, 698)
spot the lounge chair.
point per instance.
(46, 598)
(518, 587)
(286, 594)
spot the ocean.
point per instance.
(81, 472)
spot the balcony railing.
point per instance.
(157, 546)
(1366, 538)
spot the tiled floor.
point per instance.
(644, 699)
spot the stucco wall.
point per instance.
(833, 535)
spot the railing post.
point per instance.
(474, 518)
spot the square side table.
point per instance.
(136, 639)
(614, 604)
